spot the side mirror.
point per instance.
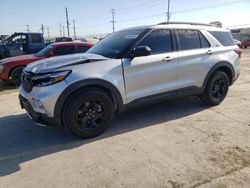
(141, 51)
(50, 54)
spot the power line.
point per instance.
(67, 20)
(113, 19)
(139, 5)
(207, 7)
(63, 31)
(28, 28)
(74, 28)
(168, 13)
(60, 29)
(48, 32)
(42, 28)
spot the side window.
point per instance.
(225, 38)
(204, 42)
(19, 39)
(82, 49)
(159, 41)
(64, 50)
(36, 38)
(189, 39)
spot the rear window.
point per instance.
(36, 38)
(225, 38)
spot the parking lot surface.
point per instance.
(179, 143)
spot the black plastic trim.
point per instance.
(98, 83)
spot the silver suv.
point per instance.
(133, 66)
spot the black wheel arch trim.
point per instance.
(89, 83)
(222, 64)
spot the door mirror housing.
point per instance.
(141, 51)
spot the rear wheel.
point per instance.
(88, 113)
(216, 88)
(16, 75)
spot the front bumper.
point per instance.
(38, 118)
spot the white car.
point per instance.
(130, 67)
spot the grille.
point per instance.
(27, 81)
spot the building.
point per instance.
(241, 34)
(216, 24)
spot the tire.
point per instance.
(16, 75)
(88, 113)
(216, 88)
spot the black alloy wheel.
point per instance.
(216, 88)
(88, 113)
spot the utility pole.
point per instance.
(168, 13)
(60, 27)
(74, 28)
(28, 28)
(48, 32)
(113, 19)
(63, 31)
(42, 28)
(67, 20)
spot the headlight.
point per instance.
(1, 68)
(49, 78)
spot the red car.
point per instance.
(246, 43)
(11, 68)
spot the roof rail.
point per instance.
(189, 23)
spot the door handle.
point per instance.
(209, 52)
(167, 59)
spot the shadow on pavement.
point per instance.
(21, 140)
(5, 86)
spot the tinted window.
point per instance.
(189, 39)
(36, 38)
(225, 38)
(159, 41)
(112, 45)
(204, 42)
(82, 49)
(64, 50)
(44, 51)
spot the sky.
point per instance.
(92, 17)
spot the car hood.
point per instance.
(54, 63)
(20, 58)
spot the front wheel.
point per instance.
(216, 88)
(88, 113)
(16, 75)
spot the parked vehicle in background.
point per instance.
(247, 43)
(62, 39)
(20, 44)
(3, 37)
(11, 68)
(238, 43)
(130, 67)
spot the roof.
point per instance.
(73, 44)
(178, 25)
(188, 25)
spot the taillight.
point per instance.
(239, 52)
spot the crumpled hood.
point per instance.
(53, 63)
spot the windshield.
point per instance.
(44, 51)
(112, 45)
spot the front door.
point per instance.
(153, 74)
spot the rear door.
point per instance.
(153, 74)
(194, 57)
